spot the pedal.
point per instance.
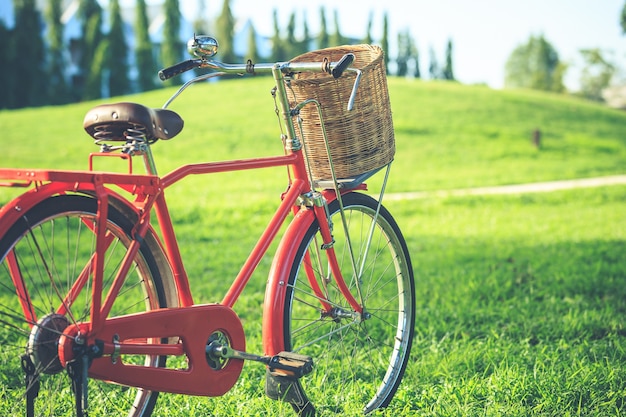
(290, 364)
(287, 364)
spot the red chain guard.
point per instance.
(192, 326)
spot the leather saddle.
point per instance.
(123, 121)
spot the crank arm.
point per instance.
(287, 364)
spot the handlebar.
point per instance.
(336, 69)
(205, 47)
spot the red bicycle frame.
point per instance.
(149, 195)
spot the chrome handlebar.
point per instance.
(205, 47)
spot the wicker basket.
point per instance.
(360, 140)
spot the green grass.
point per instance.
(521, 305)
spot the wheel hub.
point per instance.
(44, 341)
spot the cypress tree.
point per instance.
(448, 73)
(322, 38)
(403, 54)
(57, 91)
(118, 53)
(7, 73)
(200, 25)
(622, 19)
(433, 68)
(225, 28)
(291, 44)
(306, 36)
(384, 43)
(144, 57)
(278, 50)
(417, 73)
(368, 34)
(93, 82)
(29, 88)
(336, 39)
(171, 48)
(90, 16)
(253, 53)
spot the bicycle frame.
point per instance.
(149, 194)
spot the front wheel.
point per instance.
(359, 358)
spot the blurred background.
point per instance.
(76, 50)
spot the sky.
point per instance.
(483, 32)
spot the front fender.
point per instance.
(275, 291)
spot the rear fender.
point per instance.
(13, 210)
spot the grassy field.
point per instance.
(521, 305)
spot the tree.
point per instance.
(368, 33)
(57, 88)
(384, 43)
(596, 74)
(119, 82)
(417, 73)
(93, 83)
(447, 72)
(29, 59)
(322, 37)
(225, 29)
(336, 38)
(144, 57)
(7, 75)
(90, 17)
(404, 53)
(433, 68)
(306, 36)
(200, 26)
(535, 65)
(291, 44)
(171, 48)
(253, 53)
(623, 19)
(278, 48)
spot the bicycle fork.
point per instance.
(326, 231)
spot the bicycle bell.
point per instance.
(202, 46)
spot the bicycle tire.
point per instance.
(51, 244)
(359, 361)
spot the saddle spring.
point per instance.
(133, 135)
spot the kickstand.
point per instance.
(290, 391)
(31, 380)
(77, 370)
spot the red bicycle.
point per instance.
(95, 304)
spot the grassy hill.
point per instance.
(447, 135)
(520, 298)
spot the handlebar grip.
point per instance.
(342, 65)
(174, 70)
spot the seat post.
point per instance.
(148, 159)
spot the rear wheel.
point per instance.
(41, 256)
(359, 359)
